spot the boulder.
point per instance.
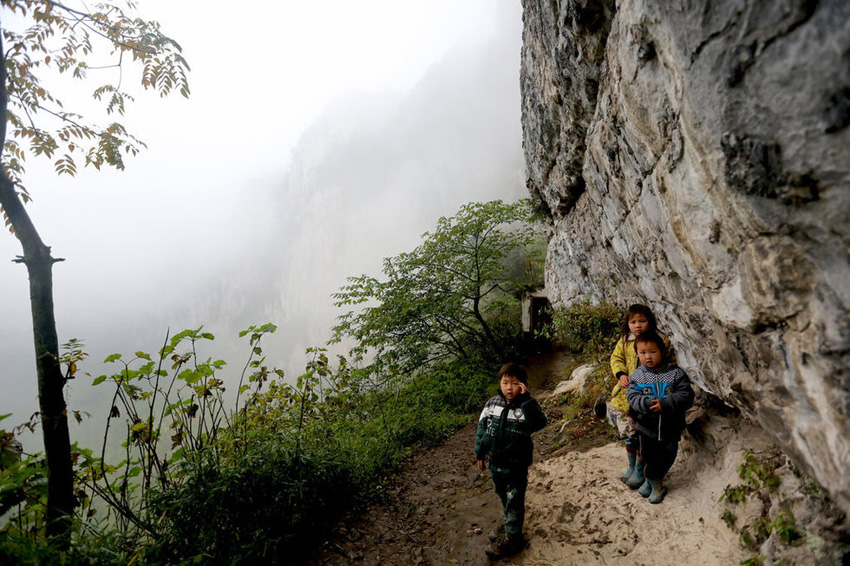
(575, 384)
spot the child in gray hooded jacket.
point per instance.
(659, 394)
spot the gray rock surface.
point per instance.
(695, 156)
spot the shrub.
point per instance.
(313, 461)
(261, 483)
(276, 502)
(590, 329)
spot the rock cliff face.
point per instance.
(695, 156)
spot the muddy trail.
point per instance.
(441, 507)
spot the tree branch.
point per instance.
(84, 17)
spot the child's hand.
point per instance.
(656, 406)
(523, 388)
(480, 464)
(624, 381)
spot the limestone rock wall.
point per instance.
(695, 156)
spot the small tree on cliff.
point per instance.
(40, 37)
(434, 302)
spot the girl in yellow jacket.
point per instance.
(637, 320)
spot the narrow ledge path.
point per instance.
(441, 507)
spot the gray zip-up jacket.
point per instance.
(670, 384)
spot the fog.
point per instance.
(256, 200)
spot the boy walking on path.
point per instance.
(504, 438)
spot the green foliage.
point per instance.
(438, 302)
(263, 479)
(590, 329)
(426, 410)
(262, 482)
(47, 38)
(91, 547)
(785, 527)
(43, 37)
(736, 494)
(758, 474)
(760, 529)
(729, 518)
(309, 452)
(271, 507)
(810, 487)
(504, 318)
(540, 211)
(23, 486)
(524, 266)
(754, 561)
(172, 408)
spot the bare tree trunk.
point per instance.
(488, 334)
(54, 418)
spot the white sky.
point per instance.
(268, 70)
(260, 75)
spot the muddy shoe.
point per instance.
(495, 535)
(503, 547)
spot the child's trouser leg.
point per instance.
(511, 485)
(658, 457)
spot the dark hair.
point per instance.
(514, 370)
(650, 337)
(638, 309)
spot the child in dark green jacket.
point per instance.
(504, 438)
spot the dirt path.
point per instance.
(442, 507)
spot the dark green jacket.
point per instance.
(504, 431)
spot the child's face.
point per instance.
(649, 354)
(638, 324)
(511, 387)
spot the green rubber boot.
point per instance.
(636, 479)
(658, 491)
(645, 489)
(632, 458)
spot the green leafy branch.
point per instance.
(58, 39)
(758, 474)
